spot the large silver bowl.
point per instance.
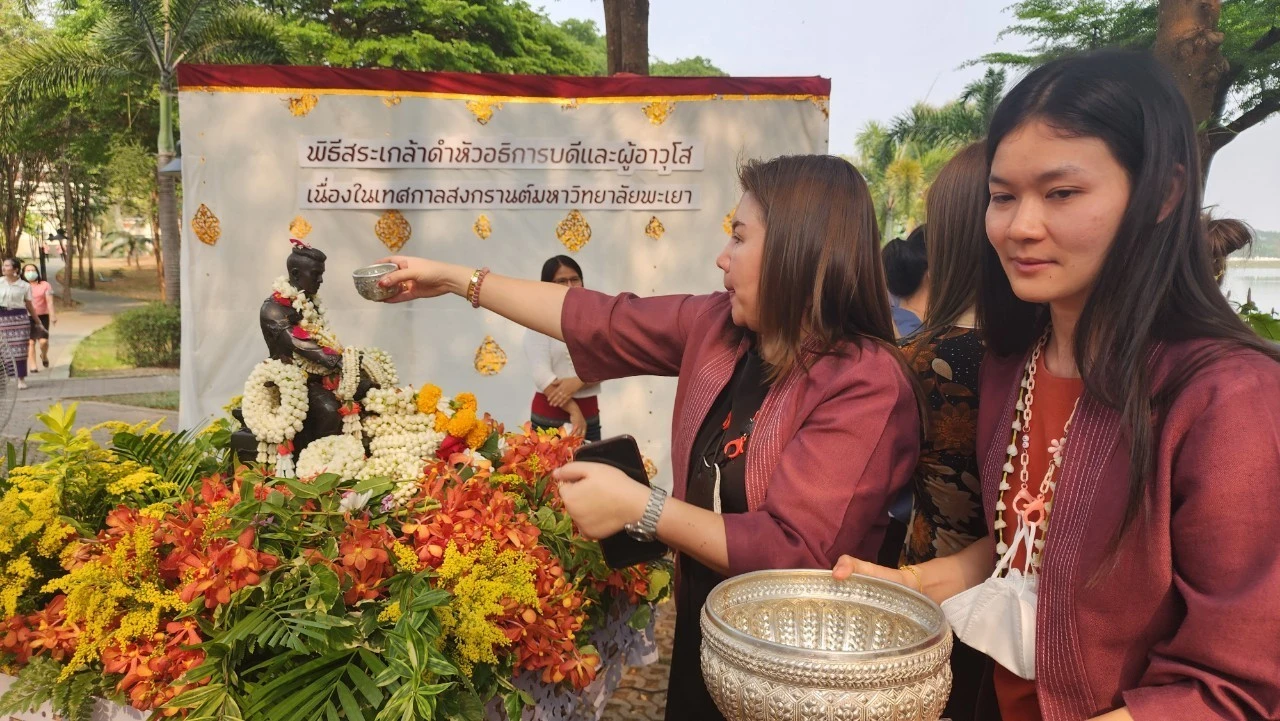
(801, 646)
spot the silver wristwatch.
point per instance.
(646, 528)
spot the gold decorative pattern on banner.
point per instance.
(569, 104)
(206, 225)
(483, 109)
(391, 100)
(303, 104)
(728, 221)
(299, 228)
(393, 230)
(654, 229)
(650, 468)
(573, 231)
(482, 227)
(490, 358)
(822, 105)
(658, 111)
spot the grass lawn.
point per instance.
(123, 278)
(96, 355)
(160, 400)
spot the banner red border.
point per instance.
(191, 77)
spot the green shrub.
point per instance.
(150, 336)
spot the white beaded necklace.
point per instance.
(1032, 511)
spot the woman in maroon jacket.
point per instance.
(794, 422)
(1147, 413)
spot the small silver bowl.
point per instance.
(802, 646)
(367, 279)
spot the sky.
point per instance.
(882, 57)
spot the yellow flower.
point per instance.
(406, 559)
(391, 613)
(466, 401)
(13, 582)
(461, 423)
(479, 581)
(121, 584)
(506, 479)
(428, 398)
(442, 422)
(478, 435)
(156, 510)
(133, 482)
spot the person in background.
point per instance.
(906, 265)
(42, 302)
(946, 354)
(1226, 236)
(795, 419)
(1129, 433)
(561, 395)
(17, 316)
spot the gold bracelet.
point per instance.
(914, 572)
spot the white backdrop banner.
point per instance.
(633, 177)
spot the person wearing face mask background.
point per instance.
(17, 317)
(42, 303)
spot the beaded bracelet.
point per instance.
(473, 288)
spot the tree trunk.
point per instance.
(1189, 43)
(626, 32)
(170, 240)
(69, 245)
(155, 242)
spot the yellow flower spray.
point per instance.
(479, 581)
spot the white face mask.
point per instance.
(31, 276)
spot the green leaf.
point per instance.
(641, 617)
(659, 580)
(514, 706)
(349, 704)
(365, 684)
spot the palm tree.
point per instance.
(139, 44)
(901, 160)
(133, 246)
(898, 173)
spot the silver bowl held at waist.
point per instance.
(367, 278)
(801, 646)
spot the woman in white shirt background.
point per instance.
(561, 396)
(17, 317)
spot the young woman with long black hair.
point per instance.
(1130, 428)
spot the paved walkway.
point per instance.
(53, 384)
(642, 695)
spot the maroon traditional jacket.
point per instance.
(830, 447)
(1187, 624)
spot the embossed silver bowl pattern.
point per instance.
(367, 279)
(801, 646)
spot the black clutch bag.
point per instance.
(621, 452)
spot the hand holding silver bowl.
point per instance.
(801, 645)
(367, 278)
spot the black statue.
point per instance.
(306, 272)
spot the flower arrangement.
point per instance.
(144, 573)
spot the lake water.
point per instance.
(1262, 281)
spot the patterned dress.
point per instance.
(948, 495)
(947, 515)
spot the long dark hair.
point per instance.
(1156, 282)
(956, 208)
(554, 264)
(820, 282)
(905, 263)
